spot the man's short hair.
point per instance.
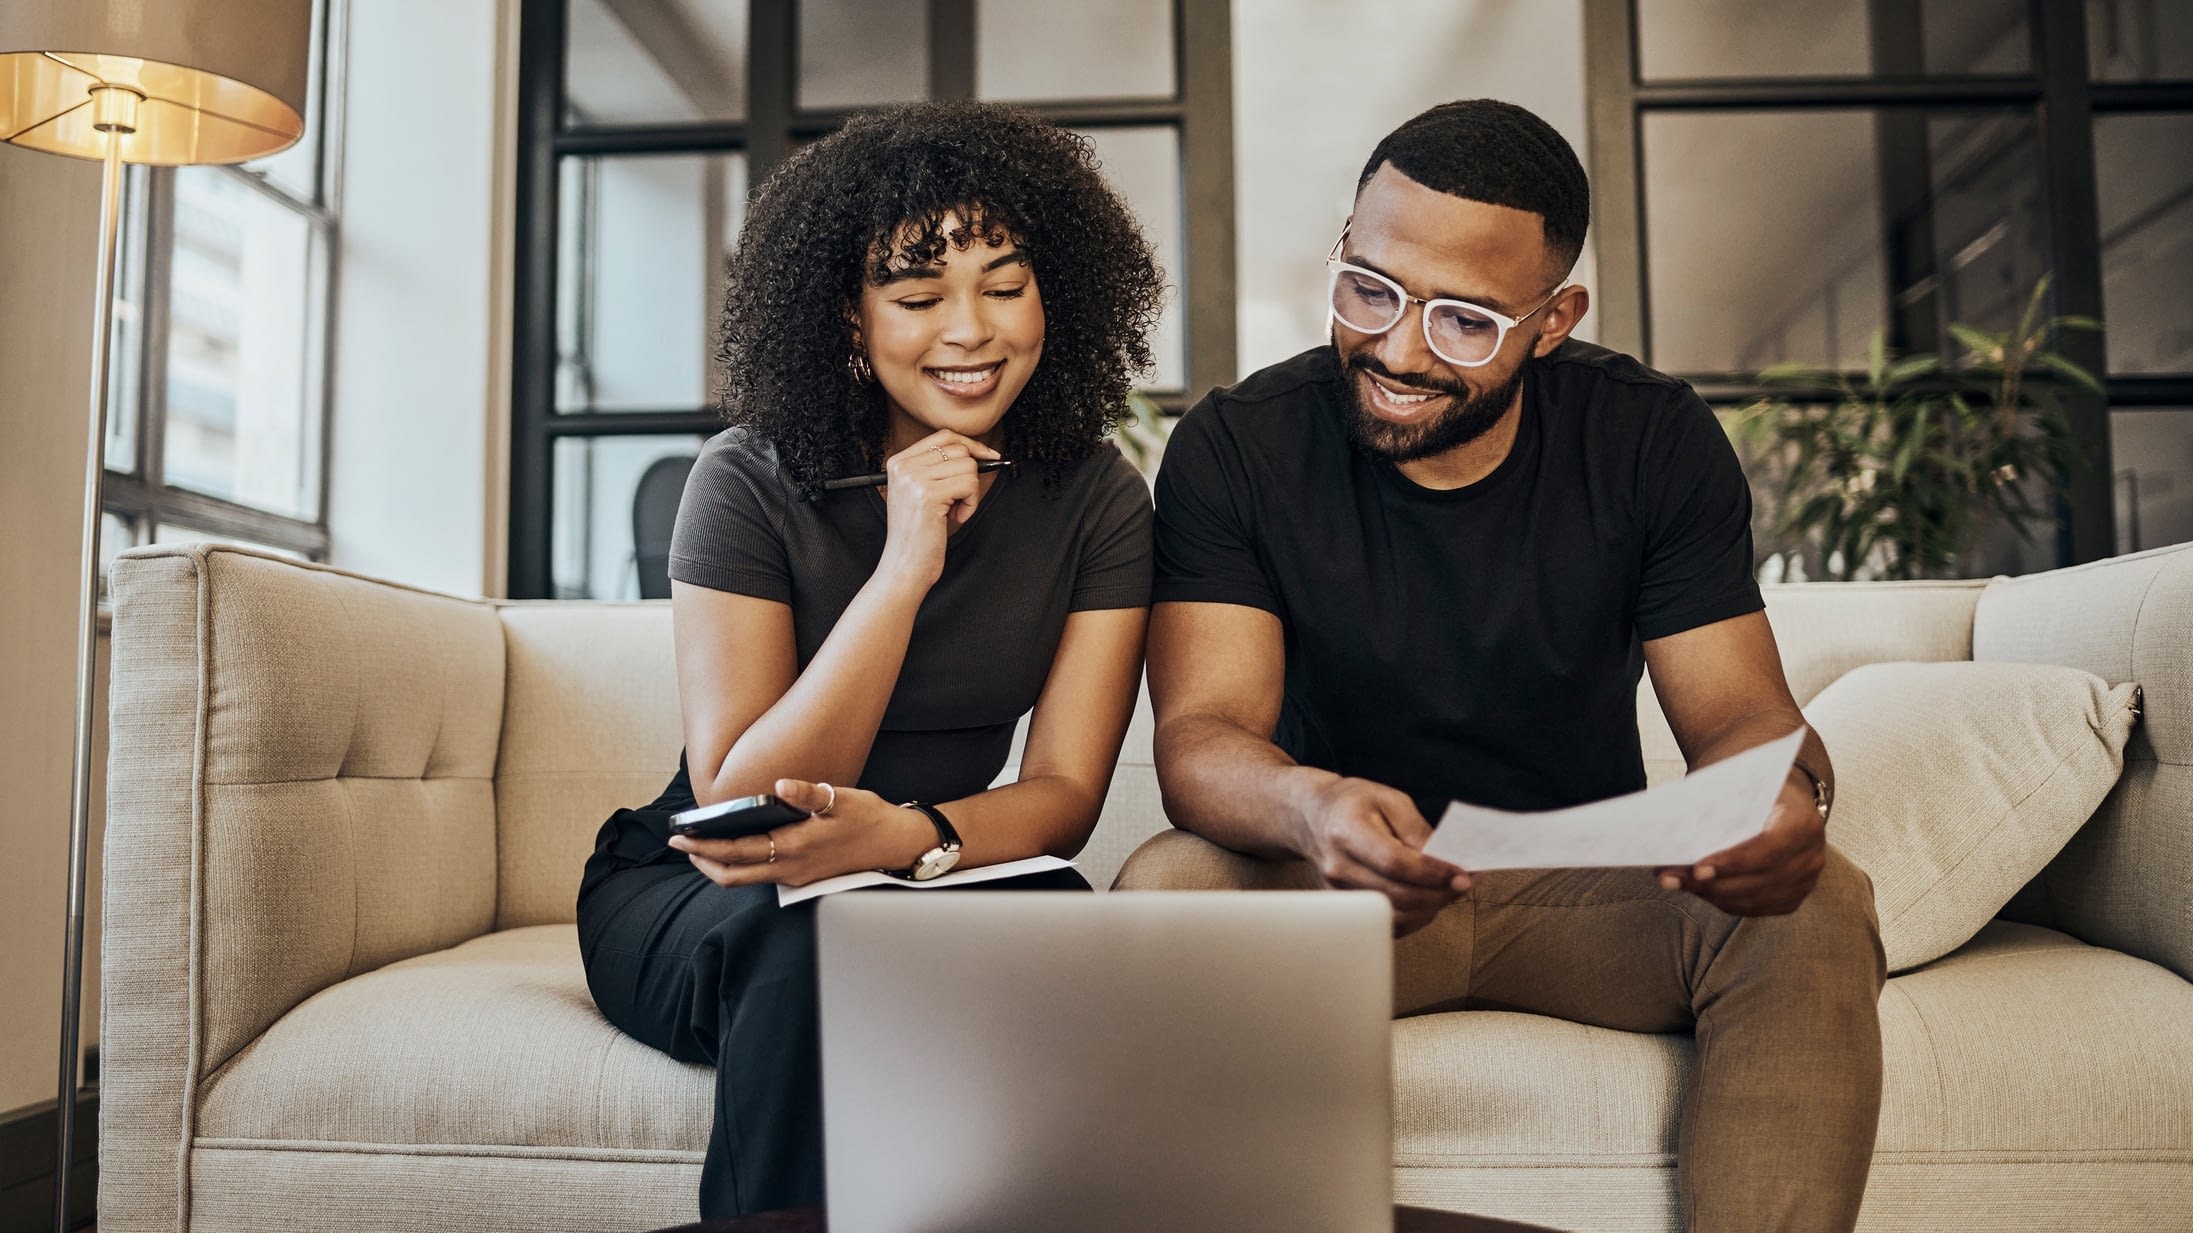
(1481, 149)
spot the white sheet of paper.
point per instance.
(789, 895)
(1673, 824)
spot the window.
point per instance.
(219, 364)
(1776, 182)
(645, 123)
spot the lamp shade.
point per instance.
(222, 81)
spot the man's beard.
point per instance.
(1464, 420)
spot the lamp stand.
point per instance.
(116, 108)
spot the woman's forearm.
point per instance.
(822, 727)
(1042, 815)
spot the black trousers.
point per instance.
(725, 977)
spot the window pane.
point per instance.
(594, 550)
(655, 61)
(856, 53)
(1989, 217)
(297, 169)
(1784, 236)
(1143, 164)
(1090, 49)
(2139, 40)
(642, 251)
(126, 350)
(244, 346)
(1829, 38)
(2143, 167)
(2154, 476)
(1311, 100)
(1764, 239)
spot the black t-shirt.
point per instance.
(987, 631)
(983, 638)
(1482, 643)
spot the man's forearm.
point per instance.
(1234, 787)
(1757, 729)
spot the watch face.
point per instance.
(936, 863)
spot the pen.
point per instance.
(879, 479)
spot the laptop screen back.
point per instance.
(1154, 1061)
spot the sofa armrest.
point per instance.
(2121, 881)
(300, 788)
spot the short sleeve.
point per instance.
(730, 530)
(1114, 570)
(1695, 505)
(1206, 537)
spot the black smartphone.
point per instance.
(748, 815)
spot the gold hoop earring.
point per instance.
(857, 364)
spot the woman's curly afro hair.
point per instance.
(840, 213)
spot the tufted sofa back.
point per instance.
(302, 774)
(590, 725)
(439, 766)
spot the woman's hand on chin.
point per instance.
(861, 831)
(934, 488)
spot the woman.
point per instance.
(931, 287)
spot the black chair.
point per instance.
(654, 513)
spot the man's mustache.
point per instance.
(1419, 381)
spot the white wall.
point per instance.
(1318, 82)
(49, 228)
(420, 391)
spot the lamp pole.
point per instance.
(115, 115)
(178, 83)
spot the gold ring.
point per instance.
(830, 804)
(941, 455)
(772, 849)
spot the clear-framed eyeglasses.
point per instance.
(1459, 332)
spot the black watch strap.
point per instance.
(947, 834)
(937, 861)
(1823, 792)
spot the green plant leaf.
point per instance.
(2076, 372)
(1793, 372)
(2033, 307)
(1991, 348)
(1877, 356)
(1911, 367)
(1913, 442)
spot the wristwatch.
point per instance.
(1823, 793)
(937, 861)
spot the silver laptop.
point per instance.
(1165, 1062)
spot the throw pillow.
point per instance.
(1956, 782)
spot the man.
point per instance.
(1428, 562)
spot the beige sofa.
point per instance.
(342, 991)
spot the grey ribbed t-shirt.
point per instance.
(985, 635)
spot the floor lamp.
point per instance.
(122, 81)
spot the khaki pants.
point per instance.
(1779, 1116)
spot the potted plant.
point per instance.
(1896, 474)
(1141, 435)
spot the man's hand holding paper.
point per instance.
(1772, 872)
(1737, 833)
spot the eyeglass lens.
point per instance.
(1367, 303)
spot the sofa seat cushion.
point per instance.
(2025, 1045)
(492, 1043)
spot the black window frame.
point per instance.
(1200, 109)
(2057, 92)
